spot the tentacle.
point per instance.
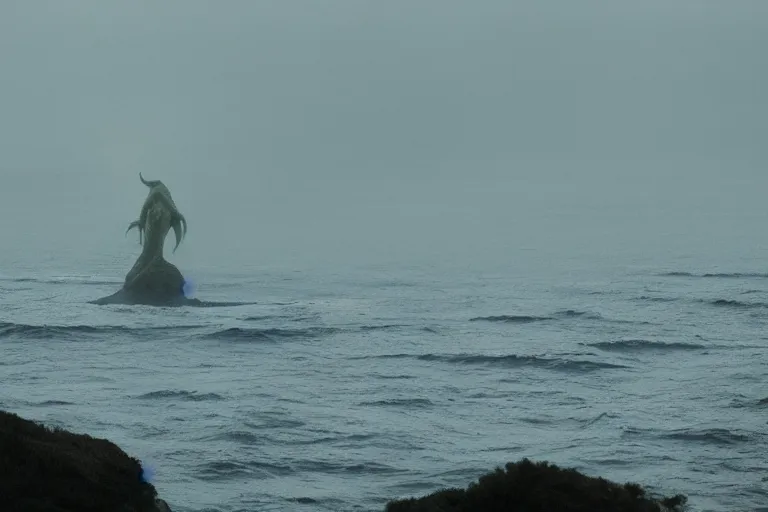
(135, 224)
(176, 225)
(150, 184)
(179, 225)
(143, 214)
(183, 222)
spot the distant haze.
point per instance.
(352, 132)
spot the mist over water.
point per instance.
(473, 232)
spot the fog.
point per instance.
(305, 133)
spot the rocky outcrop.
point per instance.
(52, 470)
(539, 487)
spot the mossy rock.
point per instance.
(527, 486)
(52, 470)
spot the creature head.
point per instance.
(150, 184)
(159, 202)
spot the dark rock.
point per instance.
(52, 470)
(526, 486)
(159, 283)
(162, 506)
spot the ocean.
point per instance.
(338, 390)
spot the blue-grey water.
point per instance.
(340, 390)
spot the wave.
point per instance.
(714, 436)
(719, 436)
(731, 303)
(238, 436)
(720, 275)
(196, 303)
(261, 318)
(591, 421)
(644, 345)
(276, 334)
(742, 402)
(341, 441)
(304, 501)
(567, 314)
(236, 470)
(507, 361)
(736, 304)
(386, 327)
(524, 319)
(297, 317)
(363, 468)
(648, 298)
(737, 275)
(400, 402)
(232, 470)
(677, 274)
(511, 319)
(86, 280)
(400, 376)
(180, 395)
(38, 332)
(49, 403)
(273, 334)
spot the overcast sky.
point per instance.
(394, 130)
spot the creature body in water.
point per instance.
(152, 280)
(159, 195)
